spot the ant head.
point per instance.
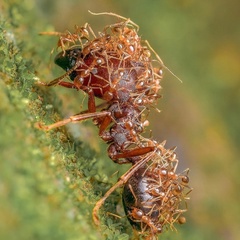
(68, 58)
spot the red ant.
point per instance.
(117, 67)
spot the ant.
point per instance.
(117, 67)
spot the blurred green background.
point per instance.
(49, 182)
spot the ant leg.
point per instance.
(91, 100)
(104, 124)
(51, 33)
(100, 106)
(73, 119)
(132, 153)
(133, 193)
(59, 83)
(125, 20)
(122, 180)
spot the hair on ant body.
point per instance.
(117, 67)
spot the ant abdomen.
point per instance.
(154, 200)
(141, 207)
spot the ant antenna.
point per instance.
(161, 61)
(128, 20)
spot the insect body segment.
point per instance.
(117, 67)
(154, 196)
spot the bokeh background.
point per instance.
(200, 42)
